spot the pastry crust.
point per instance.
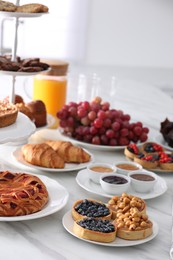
(166, 166)
(21, 194)
(156, 148)
(93, 235)
(32, 8)
(7, 6)
(8, 114)
(129, 154)
(123, 203)
(146, 164)
(78, 216)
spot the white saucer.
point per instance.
(88, 185)
(58, 197)
(118, 242)
(17, 155)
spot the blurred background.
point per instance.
(129, 39)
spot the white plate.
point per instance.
(21, 129)
(18, 15)
(20, 73)
(94, 146)
(58, 197)
(160, 140)
(84, 182)
(118, 242)
(17, 154)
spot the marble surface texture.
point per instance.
(46, 239)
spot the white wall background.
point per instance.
(131, 33)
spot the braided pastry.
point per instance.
(21, 194)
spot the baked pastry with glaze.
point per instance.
(7, 6)
(133, 225)
(42, 155)
(150, 161)
(69, 152)
(131, 151)
(95, 229)
(8, 114)
(21, 194)
(151, 148)
(38, 110)
(90, 208)
(166, 161)
(122, 204)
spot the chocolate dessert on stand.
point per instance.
(166, 129)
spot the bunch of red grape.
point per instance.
(94, 122)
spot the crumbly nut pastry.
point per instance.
(90, 208)
(32, 8)
(123, 203)
(21, 194)
(8, 114)
(95, 229)
(7, 6)
(133, 225)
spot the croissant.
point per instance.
(42, 155)
(69, 152)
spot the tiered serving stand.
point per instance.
(23, 127)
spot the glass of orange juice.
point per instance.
(51, 90)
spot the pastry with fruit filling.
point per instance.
(166, 161)
(123, 203)
(99, 230)
(133, 225)
(131, 151)
(152, 148)
(150, 161)
(90, 208)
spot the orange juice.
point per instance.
(51, 90)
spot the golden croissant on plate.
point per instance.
(42, 155)
(69, 152)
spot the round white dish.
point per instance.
(18, 15)
(21, 129)
(58, 197)
(160, 140)
(68, 221)
(84, 182)
(17, 155)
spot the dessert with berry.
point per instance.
(100, 230)
(96, 123)
(90, 208)
(131, 151)
(150, 161)
(152, 148)
(122, 204)
(133, 225)
(166, 161)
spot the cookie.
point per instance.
(32, 8)
(7, 6)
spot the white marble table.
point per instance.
(46, 238)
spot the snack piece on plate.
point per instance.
(131, 151)
(123, 203)
(38, 110)
(99, 230)
(7, 6)
(8, 114)
(69, 152)
(166, 161)
(42, 155)
(133, 225)
(151, 148)
(25, 110)
(32, 8)
(90, 208)
(21, 194)
(150, 161)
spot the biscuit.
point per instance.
(32, 8)
(7, 6)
